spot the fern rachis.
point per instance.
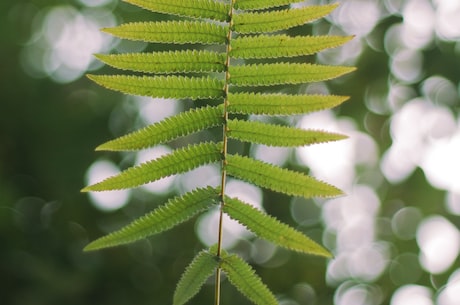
(244, 30)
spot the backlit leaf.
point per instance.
(174, 212)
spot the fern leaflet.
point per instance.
(278, 179)
(242, 276)
(188, 8)
(174, 212)
(271, 229)
(272, 46)
(167, 62)
(260, 4)
(275, 135)
(168, 129)
(283, 73)
(196, 274)
(280, 104)
(255, 22)
(162, 86)
(177, 32)
(179, 161)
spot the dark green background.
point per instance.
(48, 132)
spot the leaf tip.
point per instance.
(89, 247)
(102, 147)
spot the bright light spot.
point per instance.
(262, 251)
(208, 223)
(353, 218)
(411, 145)
(369, 262)
(356, 295)
(394, 6)
(405, 222)
(110, 200)
(323, 159)
(392, 39)
(273, 155)
(360, 204)
(396, 165)
(450, 295)
(398, 95)
(350, 293)
(343, 55)
(453, 202)
(245, 191)
(418, 28)
(441, 163)
(207, 227)
(412, 295)
(440, 90)
(447, 21)
(349, 16)
(95, 3)
(406, 65)
(207, 175)
(160, 186)
(64, 42)
(439, 242)
(153, 110)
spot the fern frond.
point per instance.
(178, 32)
(280, 104)
(278, 179)
(174, 212)
(168, 129)
(167, 62)
(179, 161)
(260, 4)
(187, 8)
(162, 86)
(243, 277)
(256, 22)
(283, 73)
(275, 135)
(269, 228)
(195, 275)
(265, 46)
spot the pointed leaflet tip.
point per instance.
(179, 161)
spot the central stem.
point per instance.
(224, 152)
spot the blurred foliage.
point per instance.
(48, 132)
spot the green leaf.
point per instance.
(260, 4)
(243, 277)
(162, 86)
(188, 8)
(256, 22)
(271, 229)
(178, 32)
(283, 73)
(265, 46)
(168, 129)
(281, 104)
(196, 274)
(174, 212)
(179, 161)
(167, 62)
(275, 135)
(278, 179)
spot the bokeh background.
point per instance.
(395, 236)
